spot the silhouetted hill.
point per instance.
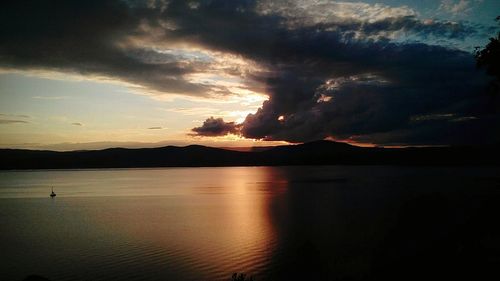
(313, 153)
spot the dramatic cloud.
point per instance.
(416, 80)
(363, 20)
(323, 84)
(359, 71)
(92, 38)
(216, 127)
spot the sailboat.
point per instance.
(52, 194)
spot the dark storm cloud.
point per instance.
(366, 19)
(236, 26)
(411, 24)
(88, 37)
(345, 79)
(386, 83)
(215, 127)
(417, 81)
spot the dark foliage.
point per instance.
(489, 56)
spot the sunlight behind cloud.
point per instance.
(330, 68)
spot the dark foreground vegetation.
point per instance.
(313, 153)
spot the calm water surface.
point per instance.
(276, 223)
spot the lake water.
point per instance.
(275, 223)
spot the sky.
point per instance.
(106, 73)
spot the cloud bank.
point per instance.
(330, 69)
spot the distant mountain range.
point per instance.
(312, 153)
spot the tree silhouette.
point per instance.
(489, 56)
